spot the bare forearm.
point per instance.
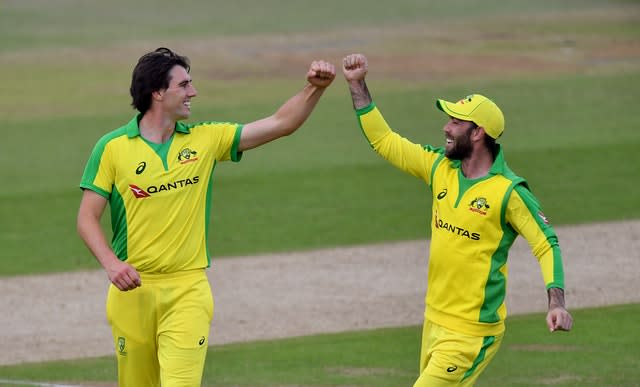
(91, 233)
(360, 94)
(556, 298)
(121, 274)
(286, 120)
(293, 113)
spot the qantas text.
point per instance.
(176, 184)
(457, 230)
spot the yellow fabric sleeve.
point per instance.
(525, 216)
(402, 153)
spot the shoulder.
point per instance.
(518, 183)
(110, 138)
(207, 125)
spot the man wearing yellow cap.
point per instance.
(479, 208)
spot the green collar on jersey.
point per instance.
(133, 130)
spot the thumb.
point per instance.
(551, 322)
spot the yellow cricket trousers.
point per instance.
(450, 358)
(161, 329)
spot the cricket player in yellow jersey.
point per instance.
(155, 173)
(479, 208)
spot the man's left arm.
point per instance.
(525, 215)
(293, 113)
(558, 318)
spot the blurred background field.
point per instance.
(565, 74)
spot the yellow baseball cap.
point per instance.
(477, 108)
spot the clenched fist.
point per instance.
(354, 67)
(321, 73)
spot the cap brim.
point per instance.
(452, 109)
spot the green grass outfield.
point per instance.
(566, 74)
(601, 351)
(325, 187)
(567, 81)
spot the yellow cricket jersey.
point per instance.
(160, 194)
(475, 222)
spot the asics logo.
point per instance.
(141, 167)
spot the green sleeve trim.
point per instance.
(366, 109)
(235, 154)
(361, 112)
(95, 189)
(92, 166)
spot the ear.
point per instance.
(157, 95)
(478, 134)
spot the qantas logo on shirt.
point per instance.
(138, 192)
(444, 225)
(141, 193)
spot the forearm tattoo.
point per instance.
(360, 94)
(556, 298)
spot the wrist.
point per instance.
(365, 109)
(358, 83)
(556, 298)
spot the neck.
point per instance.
(156, 128)
(478, 163)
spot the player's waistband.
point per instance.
(151, 277)
(455, 323)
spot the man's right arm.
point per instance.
(293, 113)
(399, 151)
(121, 274)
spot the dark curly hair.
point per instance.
(152, 74)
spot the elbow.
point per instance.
(288, 130)
(287, 124)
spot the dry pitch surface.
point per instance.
(62, 316)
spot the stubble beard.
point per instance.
(461, 149)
